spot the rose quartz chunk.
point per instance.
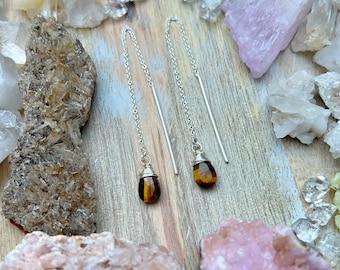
(97, 251)
(263, 28)
(241, 245)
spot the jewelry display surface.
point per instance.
(264, 176)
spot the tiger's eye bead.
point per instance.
(149, 190)
(204, 174)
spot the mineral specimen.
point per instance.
(210, 9)
(13, 39)
(315, 188)
(10, 95)
(332, 139)
(115, 9)
(243, 245)
(329, 56)
(83, 13)
(318, 29)
(295, 114)
(263, 28)
(320, 212)
(50, 187)
(306, 230)
(329, 247)
(97, 251)
(329, 89)
(10, 126)
(47, 8)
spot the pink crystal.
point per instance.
(263, 28)
(253, 245)
(97, 251)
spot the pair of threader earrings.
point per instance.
(204, 172)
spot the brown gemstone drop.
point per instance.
(149, 190)
(204, 174)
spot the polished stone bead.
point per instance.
(204, 174)
(149, 190)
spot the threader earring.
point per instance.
(149, 190)
(204, 172)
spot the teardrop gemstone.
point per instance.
(204, 174)
(149, 190)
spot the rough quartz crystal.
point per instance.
(332, 139)
(315, 188)
(295, 112)
(83, 13)
(263, 28)
(298, 118)
(329, 247)
(318, 29)
(252, 245)
(329, 56)
(306, 230)
(10, 95)
(320, 212)
(13, 39)
(10, 127)
(50, 188)
(329, 90)
(39, 251)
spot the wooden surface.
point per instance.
(264, 174)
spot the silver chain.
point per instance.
(145, 158)
(196, 145)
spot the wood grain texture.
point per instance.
(262, 178)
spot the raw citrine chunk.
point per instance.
(149, 190)
(204, 174)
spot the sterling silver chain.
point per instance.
(145, 158)
(196, 145)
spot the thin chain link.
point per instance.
(178, 79)
(145, 158)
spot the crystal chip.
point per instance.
(321, 212)
(329, 247)
(115, 9)
(315, 188)
(210, 9)
(306, 230)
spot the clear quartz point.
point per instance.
(321, 212)
(210, 9)
(115, 9)
(315, 188)
(306, 230)
(329, 247)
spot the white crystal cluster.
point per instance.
(297, 114)
(10, 103)
(318, 215)
(295, 111)
(75, 13)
